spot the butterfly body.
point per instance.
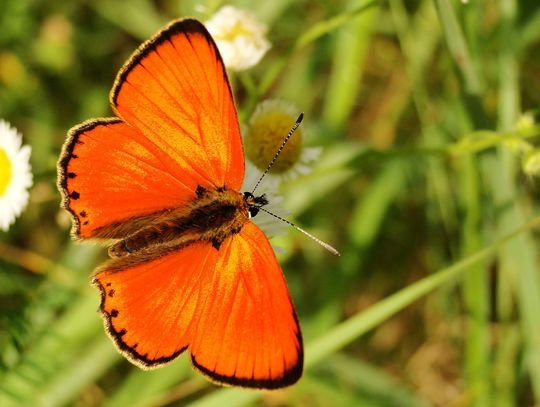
(189, 270)
(213, 215)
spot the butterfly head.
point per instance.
(254, 203)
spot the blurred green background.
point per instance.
(424, 109)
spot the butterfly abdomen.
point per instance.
(212, 216)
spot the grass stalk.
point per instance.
(518, 275)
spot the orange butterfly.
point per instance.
(159, 183)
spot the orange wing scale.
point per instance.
(230, 307)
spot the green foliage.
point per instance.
(422, 186)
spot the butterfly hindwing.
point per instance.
(151, 308)
(230, 307)
(248, 334)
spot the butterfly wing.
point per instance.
(109, 173)
(230, 307)
(174, 89)
(248, 333)
(178, 130)
(151, 306)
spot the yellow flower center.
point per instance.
(5, 171)
(237, 30)
(266, 133)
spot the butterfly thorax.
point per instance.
(213, 215)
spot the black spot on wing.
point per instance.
(118, 334)
(65, 175)
(216, 243)
(200, 191)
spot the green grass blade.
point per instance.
(311, 35)
(333, 23)
(137, 17)
(458, 47)
(369, 213)
(368, 381)
(352, 42)
(95, 358)
(519, 260)
(475, 290)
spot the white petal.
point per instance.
(239, 36)
(15, 197)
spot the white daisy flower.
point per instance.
(239, 36)
(268, 126)
(15, 175)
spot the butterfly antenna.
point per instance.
(316, 239)
(298, 121)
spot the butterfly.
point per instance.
(160, 184)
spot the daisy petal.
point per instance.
(15, 175)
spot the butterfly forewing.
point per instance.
(110, 173)
(180, 131)
(174, 89)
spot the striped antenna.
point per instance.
(323, 244)
(298, 121)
